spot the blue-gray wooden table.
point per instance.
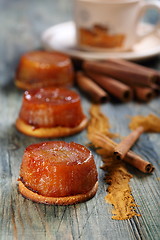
(21, 25)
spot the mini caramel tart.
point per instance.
(44, 69)
(58, 173)
(51, 112)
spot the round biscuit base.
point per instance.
(52, 132)
(69, 200)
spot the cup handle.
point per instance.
(146, 6)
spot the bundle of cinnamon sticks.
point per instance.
(118, 78)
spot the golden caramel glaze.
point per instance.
(43, 69)
(58, 169)
(51, 107)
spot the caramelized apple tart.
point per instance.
(44, 69)
(51, 112)
(57, 172)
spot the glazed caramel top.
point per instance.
(52, 95)
(59, 152)
(46, 59)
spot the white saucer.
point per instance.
(61, 38)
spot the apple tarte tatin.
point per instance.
(44, 69)
(51, 112)
(57, 172)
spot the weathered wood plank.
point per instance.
(23, 22)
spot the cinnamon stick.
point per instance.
(153, 74)
(132, 158)
(155, 89)
(124, 146)
(158, 79)
(112, 86)
(144, 94)
(96, 93)
(136, 161)
(130, 76)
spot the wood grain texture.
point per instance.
(22, 23)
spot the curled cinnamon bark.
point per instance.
(95, 92)
(152, 74)
(144, 94)
(100, 140)
(112, 86)
(124, 146)
(158, 79)
(129, 75)
(135, 160)
(156, 89)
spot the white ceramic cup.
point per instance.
(110, 24)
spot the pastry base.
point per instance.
(49, 132)
(35, 197)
